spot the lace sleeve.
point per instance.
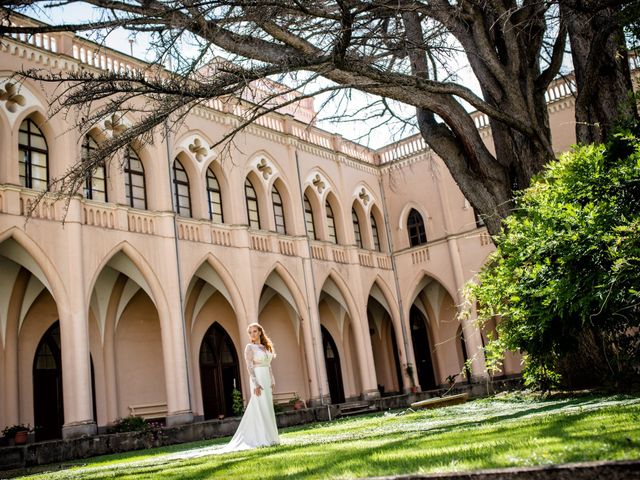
(248, 356)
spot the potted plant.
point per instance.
(18, 433)
(296, 402)
(409, 370)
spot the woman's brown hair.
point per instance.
(264, 340)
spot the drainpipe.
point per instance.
(394, 267)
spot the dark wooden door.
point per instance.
(48, 403)
(219, 372)
(422, 349)
(332, 363)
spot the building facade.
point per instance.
(136, 295)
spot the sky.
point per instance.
(357, 129)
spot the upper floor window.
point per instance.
(308, 219)
(331, 224)
(376, 235)
(134, 181)
(33, 157)
(356, 228)
(215, 197)
(95, 185)
(253, 215)
(415, 227)
(181, 189)
(278, 211)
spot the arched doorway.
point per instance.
(422, 349)
(219, 372)
(332, 363)
(47, 386)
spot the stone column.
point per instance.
(74, 336)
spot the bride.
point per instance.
(258, 425)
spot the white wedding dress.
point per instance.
(258, 425)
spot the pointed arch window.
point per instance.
(278, 211)
(331, 224)
(356, 228)
(181, 190)
(376, 235)
(415, 227)
(95, 185)
(33, 157)
(135, 186)
(215, 197)
(253, 214)
(308, 218)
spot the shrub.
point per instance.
(238, 403)
(564, 283)
(129, 424)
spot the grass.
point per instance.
(489, 433)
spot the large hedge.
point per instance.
(564, 283)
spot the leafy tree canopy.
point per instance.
(564, 282)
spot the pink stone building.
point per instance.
(352, 259)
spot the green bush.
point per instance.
(129, 424)
(564, 283)
(238, 403)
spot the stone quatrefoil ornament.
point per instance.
(364, 196)
(264, 168)
(198, 149)
(318, 183)
(114, 125)
(11, 97)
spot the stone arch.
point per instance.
(282, 311)
(356, 195)
(232, 293)
(150, 282)
(296, 299)
(309, 182)
(404, 214)
(43, 267)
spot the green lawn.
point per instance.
(488, 433)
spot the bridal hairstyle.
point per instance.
(264, 340)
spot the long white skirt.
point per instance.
(258, 425)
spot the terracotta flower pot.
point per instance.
(297, 405)
(20, 437)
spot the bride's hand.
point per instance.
(258, 391)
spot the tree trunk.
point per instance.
(602, 72)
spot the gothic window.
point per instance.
(415, 227)
(356, 228)
(376, 236)
(33, 157)
(95, 186)
(278, 211)
(331, 224)
(181, 190)
(135, 187)
(215, 197)
(308, 218)
(253, 215)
